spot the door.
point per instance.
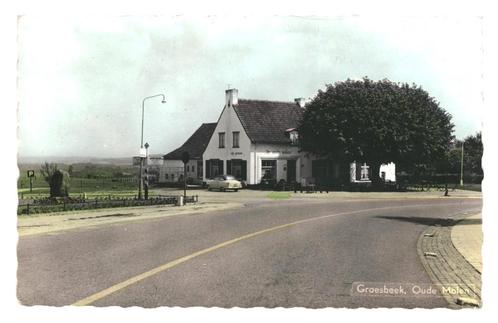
(199, 169)
(291, 171)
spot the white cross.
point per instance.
(364, 171)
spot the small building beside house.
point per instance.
(153, 164)
(171, 171)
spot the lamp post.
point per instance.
(142, 142)
(146, 177)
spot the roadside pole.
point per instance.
(461, 168)
(31, 174)
(140, 179)
(185, 160)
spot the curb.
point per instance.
(52, 224)
(447, 267)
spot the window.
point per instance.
(192, 168)
(188, 168)
(166, 176)
(235, 139)
(293, 137)
(221, 137)
(269, 169)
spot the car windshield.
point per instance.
(229, 177)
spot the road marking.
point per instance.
(106, 292)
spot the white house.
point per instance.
(256, 139)
(253, 139)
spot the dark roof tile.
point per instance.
(195, 145)
(267, 121)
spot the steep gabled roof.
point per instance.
(267, 121)
(195, 145)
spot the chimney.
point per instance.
(232, 97)
(300, 102)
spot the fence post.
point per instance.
(64, 205)
(96, 202)
(28, 208)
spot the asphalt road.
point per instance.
(311, 263)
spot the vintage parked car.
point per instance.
(224, 183)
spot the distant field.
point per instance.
(82, 184)
(92, 179)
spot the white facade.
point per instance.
(154, 161)
(275, 161)
(254, 155)
(228, 123)
(171, 171)
(284, 155)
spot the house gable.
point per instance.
(228, 123)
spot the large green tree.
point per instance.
(376, 122)
(473, 150)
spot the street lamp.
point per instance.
(145, 179)
(142, 142)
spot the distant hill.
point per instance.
(118, 161)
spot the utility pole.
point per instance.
(185, 160)
(461, 168)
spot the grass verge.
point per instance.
(278, 195)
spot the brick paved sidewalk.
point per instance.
(449, 266)
(466, 236)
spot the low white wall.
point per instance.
(390, 170)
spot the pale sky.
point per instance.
(82, 80)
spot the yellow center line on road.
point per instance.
(106, 292)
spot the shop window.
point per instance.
(269, 169)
